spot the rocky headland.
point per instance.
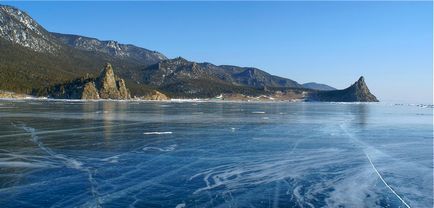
(358, 92)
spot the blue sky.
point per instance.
(390, 43)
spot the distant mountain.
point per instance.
(190, 76)
(257, 78)
(317, 86)
(33, 60)
(358, 92)
(112, 48)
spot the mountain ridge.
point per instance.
(33, 60)
(18, 27)
(318, 86)
(111, 47)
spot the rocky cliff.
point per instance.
(106, 86)
(12, 95)
(153, 95)
(358, 92)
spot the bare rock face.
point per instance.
(12, 95)
(123, 91)
(158, 96)
(108, 89)
(106, 86)
(155, 95)
(90, 92)
(362, 92)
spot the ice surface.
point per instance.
(205, 154)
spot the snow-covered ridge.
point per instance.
(18, 27)
(110, 47)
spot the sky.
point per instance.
(389, 43)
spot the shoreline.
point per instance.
(204, 101)
(159, 101)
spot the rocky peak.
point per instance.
(106, 86)
(180, 61)
(20, 17)
(362, 92)
(107, 76)
(18, 27)
(123, 91)
(89, 92)
(358, 92)
(107, 72)
(361, 84)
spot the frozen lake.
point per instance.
(199, 154)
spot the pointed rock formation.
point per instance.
(123, 91)
(90, 92)
(106, 86)
(361, 91)
(358, 92)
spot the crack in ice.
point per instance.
(353, 139)
(385, 183)
(68, 162)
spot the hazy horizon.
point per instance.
(334, 43)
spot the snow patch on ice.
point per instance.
(157, 132)
(166, 149)
(182, 205)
